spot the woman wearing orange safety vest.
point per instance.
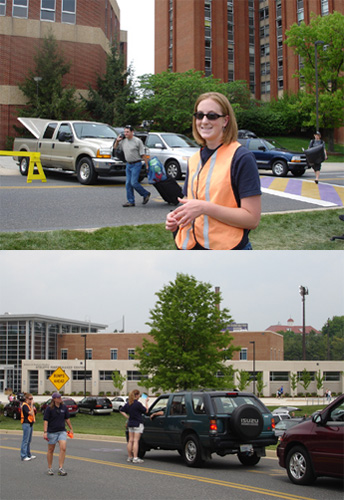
(222, 186)
(28, 418)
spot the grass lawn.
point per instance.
(293, 231)
(108, 425)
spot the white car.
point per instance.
(173, 150)
(118, 402)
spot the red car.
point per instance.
(315, 447)
(69, 402)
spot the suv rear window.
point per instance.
(227, 404)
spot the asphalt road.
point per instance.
(98, 470)
(62, 203)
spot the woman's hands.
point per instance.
(184, 214)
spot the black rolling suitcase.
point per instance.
(169, 190)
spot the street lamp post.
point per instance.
(318, 42)
(84, 335)
(254, 365)
(303, 292)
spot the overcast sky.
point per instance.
(137, 18)
(259, 288)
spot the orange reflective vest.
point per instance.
(31, 418)
(212, 182)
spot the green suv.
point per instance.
(199, 423)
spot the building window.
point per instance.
(48, 10)
(300, 375)
(243, 354)
(331, 376)
(64, 353)
(264, 13)
(131, 353)
(324, 8)
(48, 373)
(105, 375)
(2, 7)
(279, 376)
(80, 375)
(113, 353)
(133, 375)
(89, 353)
(20, 8)
(68, 14)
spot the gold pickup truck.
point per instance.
(83, 147)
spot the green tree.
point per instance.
(302, 37)
(112, 101)
(260, 383)
(118, 380)
(243, 379)
(190, 340)
(169, 98)
(305, 379)
(319, 380)
(333, 338)
(293, 382)
(49, 97)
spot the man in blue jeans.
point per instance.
(134, 152)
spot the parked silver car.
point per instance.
(173, 150)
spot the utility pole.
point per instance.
(303, 292)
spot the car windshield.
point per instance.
(227, 404)
(94, 131)
(69, 402)
(178, 141)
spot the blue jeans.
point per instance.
(27, 436)
(248, 246)
(132, 182)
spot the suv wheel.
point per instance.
(247, 422)
(5, 413)
(192, 452)
(15, 416)
(298, 172)
(173, 169)
(279, 168)
(246, 459)
(299, 466)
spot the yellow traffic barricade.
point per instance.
(35, 159)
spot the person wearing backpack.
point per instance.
(27, 420)
(317, 166)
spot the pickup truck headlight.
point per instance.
(104, 153)
(296, 159)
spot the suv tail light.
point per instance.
(232, 394)
(273, 425)
(99, 406)
(213, 427)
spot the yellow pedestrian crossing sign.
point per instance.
(59, 378)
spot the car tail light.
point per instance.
(273, 425)
(213, 427)
(99, 406)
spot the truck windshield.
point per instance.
(94, 131)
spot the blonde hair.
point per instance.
(133, 395)
(230, 131)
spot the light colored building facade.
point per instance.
(32, 347)
(84, 30)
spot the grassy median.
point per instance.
(286, 231)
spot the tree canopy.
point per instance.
(330, 64)
(191, 341)
(49, 97)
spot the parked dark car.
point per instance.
(315, 447)
(95, 405)
(13, 409)
(284, 424)
(279, 160)
(69, 402)
(200, 423)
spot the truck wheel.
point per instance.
(192, 451)
(85, 171)
(246, 422)
(279, 168)
(173, 169)
(24, 165)
(299, 466)
(246, 459)
(298, 172)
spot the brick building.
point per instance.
(84, 29)
(235, 39)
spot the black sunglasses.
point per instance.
(199, 115)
